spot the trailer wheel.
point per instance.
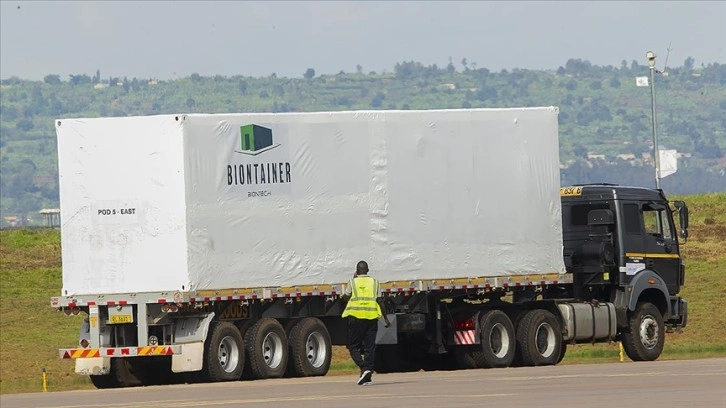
(396, 358)
(539, 338)
(646, 337)
(498, 342)
(122, 374)
(224, 356)
(267, 349)
(310, 348)
(106, 380)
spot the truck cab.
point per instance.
(621, 245)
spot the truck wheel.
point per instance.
(310, 348)
(497, 340)
(104, 381)
(396, 358)
(563, 351)
(469, 356)
(646, 337)
(223, 354)
(539, 338)
(122, 374)
(266, 349)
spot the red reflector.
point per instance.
(160, 300)
(464, 325)
(71, 304)
(122, 302)
(111, 303)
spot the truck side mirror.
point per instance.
(682, 210)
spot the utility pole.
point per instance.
(650, 55)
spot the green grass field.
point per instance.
(31, 331)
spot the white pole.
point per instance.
(651, 64)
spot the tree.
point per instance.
(80, 79)
(450, 68)
(579, 151)
(577, 67)
(243, 86)
(195, 77)
(191, 103)
(52, 79)
(25, 125)
(309, 74)
(688, 64)
(377, 100)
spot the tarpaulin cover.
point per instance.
(197, 201)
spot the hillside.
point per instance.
(605, 120)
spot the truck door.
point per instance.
(650, 238)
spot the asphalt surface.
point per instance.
(690, 383)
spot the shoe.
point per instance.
(365, 377)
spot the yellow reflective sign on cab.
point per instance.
(570, 191)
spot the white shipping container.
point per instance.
(203, 202)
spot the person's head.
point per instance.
(361, 268)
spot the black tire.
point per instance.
(516, 319)
(498, 342)
(539, 338)
(645, 338)
(396, 358)
(563, 351)
(267, 349)
(121, 374)
(468, 356)
(157, 371)
(224, 357)
(104, 381)
(310, 348)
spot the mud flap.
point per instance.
(387, 335)
(93, 365)
(190, 359)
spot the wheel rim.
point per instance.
(228, 354)
(272, 350)
(649, 332)
(316, 352)
(499, 340)
(545, 340)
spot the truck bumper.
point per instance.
(108, 352)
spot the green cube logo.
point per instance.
(254, 138)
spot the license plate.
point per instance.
(122, 319)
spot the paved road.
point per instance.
(691, 383)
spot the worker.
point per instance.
(363, 311)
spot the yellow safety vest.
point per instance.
(364, 291)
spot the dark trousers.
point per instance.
(362, 338)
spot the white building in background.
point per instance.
(51, 217)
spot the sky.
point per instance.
(173, 39)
